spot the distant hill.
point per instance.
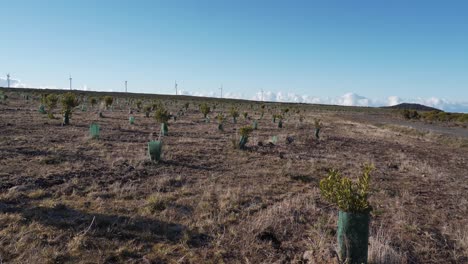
(418, 107)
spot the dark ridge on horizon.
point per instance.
(409, 106)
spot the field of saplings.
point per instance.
(89, 177)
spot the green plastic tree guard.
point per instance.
(131, 120)
(164, 129)
(66, 118)
(42, 109)
(353, 237)
(155, 150)
(317, 131)
(94, 131)
(242, 142)
(255, 125)
(274, 139)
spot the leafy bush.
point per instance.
(108, 100)
(410, 114)
(205, 109)
(244, 136)
(147, 110)
(51, 102)
(69, 101)
(3, 96)
(162, 116)
(317, 124)
(347, 195)
(93, 101)
(138, 104)
(234, 113)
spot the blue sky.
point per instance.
(323, 49)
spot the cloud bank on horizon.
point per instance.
(348, 99)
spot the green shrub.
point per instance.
(138, 104)
(410, 114)
(317, 123)
(205, 109)
(244, 136)
(147, 110)
(69, 101)
(108, 100)
(3, 96)
(162, 116)
(347, 195)
(93, 101)
(51, 102)
(234, 113)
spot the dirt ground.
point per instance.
(67, 198)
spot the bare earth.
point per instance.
(66, 198)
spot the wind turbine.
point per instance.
(8, 79)
(221, 88)
(175, 86)
(70, 82)
(262, 95)
(125, 86)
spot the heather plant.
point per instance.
(246, 115)
(162, 116)
(205, 109)
(51, 102)
(69, 101)
(234, 113)
(186, 106)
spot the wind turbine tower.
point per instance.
(262, 95)
(70, 82)
(221, 88)
(8, 79)
(126, 86)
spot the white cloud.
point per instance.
(14, 83)
(353, 99)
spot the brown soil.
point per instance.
(67, 198)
